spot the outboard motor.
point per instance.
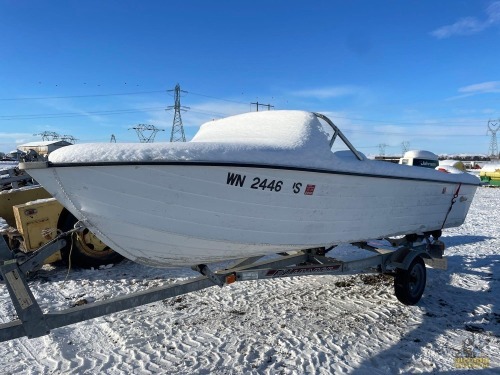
(420, 158)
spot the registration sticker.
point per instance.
(309, 190)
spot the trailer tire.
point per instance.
(409, 285)
(85, 248)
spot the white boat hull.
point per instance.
(198, 213)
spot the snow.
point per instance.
(3, 224)
(14, 191)
(452, 163)
(236, 138)
(39, 201)
(299, 325)
(449, 169)
(8, 164)
(421, 154)
(286, 138)
(490, 167)
(281, 129)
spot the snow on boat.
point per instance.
(490, 174)
(247, 185)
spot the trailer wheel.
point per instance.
(85, 248)
(409, 284)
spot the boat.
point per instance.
(247, 185)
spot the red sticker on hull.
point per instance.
(309, 190)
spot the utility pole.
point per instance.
(493, 127)
(257, 104)
(177, 133)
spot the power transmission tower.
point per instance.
(493, 127)
(381, 149)
(177, 133)
(141, 128)
(257, 104)
(68, 138)
(48, 136)
(113, 139)
(405, 146)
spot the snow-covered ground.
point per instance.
(300, 325)
(8, 164)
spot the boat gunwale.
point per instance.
(241, 165)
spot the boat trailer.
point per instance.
(403, 258)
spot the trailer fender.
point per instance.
(402, 259)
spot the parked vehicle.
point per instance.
(33, 218)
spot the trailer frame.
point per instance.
(395, 259)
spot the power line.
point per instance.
(83, 96)
(48, 135)
(214, 97)
(68, 138)
(157, 109)
(203, 112)
(456, 123)
(464, 122)
(117, 94)
(392, 122)
(78, 114)
(52, 136)
(215, 114)
(405, 134)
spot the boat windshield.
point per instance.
(339, 134)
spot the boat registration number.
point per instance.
(259, 183)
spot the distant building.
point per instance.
(43, 147)
(392, 159)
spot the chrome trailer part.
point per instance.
(399, 260)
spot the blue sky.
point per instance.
(386, 72)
